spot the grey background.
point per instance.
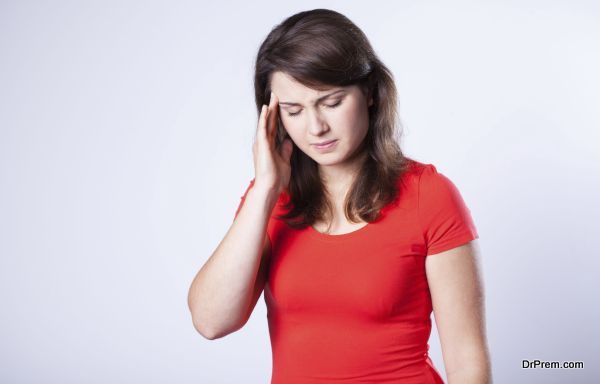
(125, 144)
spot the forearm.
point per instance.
(222, 290)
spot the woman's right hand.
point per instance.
(271, 167)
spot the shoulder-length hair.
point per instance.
(321, 48)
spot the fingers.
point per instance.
(261, 133)
(272, 118)
(266, 128)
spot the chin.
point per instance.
(326, 163)
(327, 159)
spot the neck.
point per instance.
(338, 178)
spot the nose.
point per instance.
(316, 125)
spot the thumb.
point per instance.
(286, 150)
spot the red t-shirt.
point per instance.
(356, 307)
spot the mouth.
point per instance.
(325, 144)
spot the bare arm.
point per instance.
(227, 287)
(225, 290)
(457, 295)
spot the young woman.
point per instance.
(353, 243)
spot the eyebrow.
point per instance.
(315, 101)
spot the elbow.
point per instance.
(210, 327)
(476, 368)
(212, 333)
(206, 332)
(198, 323)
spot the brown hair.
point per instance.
(321, 48)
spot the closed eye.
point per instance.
(328, 106)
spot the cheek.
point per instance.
(352, 124)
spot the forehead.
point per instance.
(288, 89)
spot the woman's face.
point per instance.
(311, 117)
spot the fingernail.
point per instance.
(271, 97)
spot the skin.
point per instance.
(342, 116)
(454, 276)
(457, 295)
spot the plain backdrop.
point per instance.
(126, 130)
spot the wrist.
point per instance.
(264, 194)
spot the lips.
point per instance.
(324, 143)
(327, 146)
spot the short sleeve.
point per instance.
(242, 198)
(445, 219)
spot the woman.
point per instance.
(353, 243)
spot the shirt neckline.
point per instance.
(366, 229)
(340, 236)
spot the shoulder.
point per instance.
(430, 186)
(421, 169)
(413, 172)
(426, 175)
